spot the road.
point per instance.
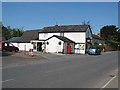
(62, 71)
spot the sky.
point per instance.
(36, 15)
(60, 0)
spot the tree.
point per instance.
(87, 23)
(109, 32)
(8, 32)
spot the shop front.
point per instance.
(37, 45)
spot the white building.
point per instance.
(56, 39)
(24, 42)
(58, 44)
(80, 34)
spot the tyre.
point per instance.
(3, 50)
(16, 50)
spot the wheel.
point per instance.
(3, 50)
(16, 50)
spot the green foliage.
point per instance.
(96, 44)
(112, 42)
(8, 32)
(111, 34)
(99, 46)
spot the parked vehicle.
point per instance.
(7, 46)
(93, 50)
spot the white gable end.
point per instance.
(53, 45)
(77, 37)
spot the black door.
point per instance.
(39, 46)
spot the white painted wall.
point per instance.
(23, 46)
(54, 46)
(44, 36)
(78, 37)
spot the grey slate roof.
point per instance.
(26, 37)
(13, 39)
(62, 38)
(65, 28)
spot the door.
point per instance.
(39, 46)
(69, 48)
(11, 47)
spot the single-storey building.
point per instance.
(96, 39)
(24, 42)
(58, 44)
(81, 35)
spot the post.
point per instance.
(25, 49)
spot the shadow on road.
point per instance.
(3, 54)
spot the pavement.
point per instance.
(60, 71)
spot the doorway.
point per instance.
(39, 46)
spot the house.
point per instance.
(59, 44)
(97, 40)
(56, 39)
(24, 42)
(80, 34)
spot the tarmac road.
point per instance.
(63, 71)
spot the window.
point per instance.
(43, 43)
(47, 43)
(34, 45)
(5, 44)
(59, 42)
(45, 35)
(10, 44)
(61, 34)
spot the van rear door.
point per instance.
(11, 47)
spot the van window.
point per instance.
(5, 44)
(10, 44)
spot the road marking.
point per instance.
(107, 52)
(6, 80)
(108, 82)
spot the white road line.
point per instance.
(108, 82)
(107, 52)
(6, 80)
